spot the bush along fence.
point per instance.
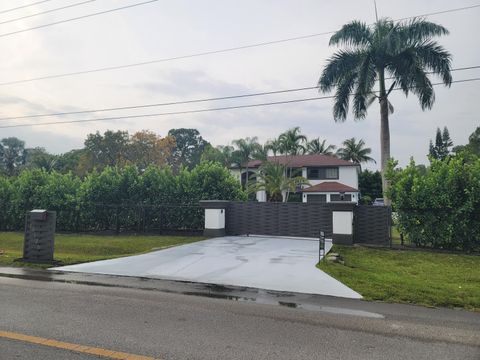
(439, 207)
(131, 218)
(117, 199)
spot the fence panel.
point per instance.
(372, 224)
(283, 219)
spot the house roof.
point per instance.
(330, 186)
(299, 161)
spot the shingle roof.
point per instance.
(330, 186)
(304, 160)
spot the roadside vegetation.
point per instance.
(74, 248)
(417, 277)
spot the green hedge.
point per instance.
(117, 198)
(439, 208)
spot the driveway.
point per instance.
(272, 263)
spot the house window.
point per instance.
(340, 197)
(294, 172)
(317, 198)
(323, 173)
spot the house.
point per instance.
(330, 178)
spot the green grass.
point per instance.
(74, 248)
(424, 278)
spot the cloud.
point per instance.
(184, 83)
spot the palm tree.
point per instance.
(271, 178)
(316, 146)
(275, 146)
(246, 148)
(291, 142)
(356, 152)
(401, 52)
(261, 152)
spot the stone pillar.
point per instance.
(342, 222)
(39, 240)
(214, 217)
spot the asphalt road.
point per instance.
(174, 326)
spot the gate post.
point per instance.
(214, 217)
(342, 222)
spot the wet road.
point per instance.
(175, 326)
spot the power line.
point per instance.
(443, 12)
(205, 53)
(131, 107)
(46, 12)
(23, 6)
(199, 110)
(77, 18)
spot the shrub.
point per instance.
(117, 198)
(439, 208)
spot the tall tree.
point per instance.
(292, 142)
(147, 148)
(39, 158)
(355, 151)
(392, 54)
(70, 161)
(275, 146)
(12, 154)
(370, 186)
(473, 145)
(189, 147)
(442, 146)
(222, 154)
(109, 149)
(246, 149)
(316, 146)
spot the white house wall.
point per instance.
(348, 175)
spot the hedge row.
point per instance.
(117, 198)
(439, 208)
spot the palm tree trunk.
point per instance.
(384, 135)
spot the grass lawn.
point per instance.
(425, 278)
(74, 248)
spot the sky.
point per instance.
(166, 29)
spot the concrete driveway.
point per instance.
(272, 263)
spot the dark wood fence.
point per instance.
(284, 219)
(372, 224)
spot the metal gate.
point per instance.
(282, 219)
(371, 224)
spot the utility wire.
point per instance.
(23, 6)
(199, 110)
(77, 18)
(141, 106)
(205, 53)
(46, 12)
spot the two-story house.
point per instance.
(330, 178)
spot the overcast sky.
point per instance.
(167, 29)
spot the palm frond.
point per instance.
(423, 88)
(342, 96)
(435, 58)
(391, 109)
(355, 33)
(418, 30)
(365, 83)
(342, 62)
